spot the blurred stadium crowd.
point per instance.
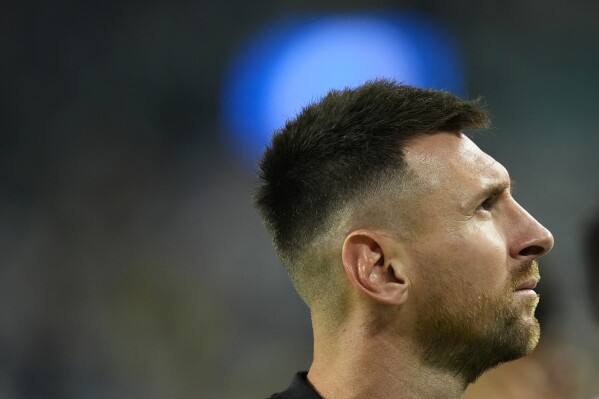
(133, 263)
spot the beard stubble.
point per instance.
(470, 334)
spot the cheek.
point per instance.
(472, 258)
(478, 252)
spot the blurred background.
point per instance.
(133, 263)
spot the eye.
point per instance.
(487, 204)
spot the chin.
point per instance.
(534, 336)
(469, 346)
(529, 330)
(510, 344)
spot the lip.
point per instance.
(528, 285)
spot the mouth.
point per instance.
(527, 286)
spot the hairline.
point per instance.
(400, 181)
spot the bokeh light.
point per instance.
(295, 61)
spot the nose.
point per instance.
(531, 239)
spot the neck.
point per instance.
(356, 363)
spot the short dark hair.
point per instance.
(335, 147)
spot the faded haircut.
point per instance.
(337, 148)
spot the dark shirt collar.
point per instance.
(300, 388)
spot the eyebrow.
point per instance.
(496, 189)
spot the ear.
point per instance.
(370, 266)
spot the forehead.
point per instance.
(453, 163)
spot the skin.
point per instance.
(422, 308)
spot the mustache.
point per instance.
(526, 270)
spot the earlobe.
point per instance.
(373, 268)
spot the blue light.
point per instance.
(296, 61)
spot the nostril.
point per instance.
(533, 250)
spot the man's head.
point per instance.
(377, 201)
